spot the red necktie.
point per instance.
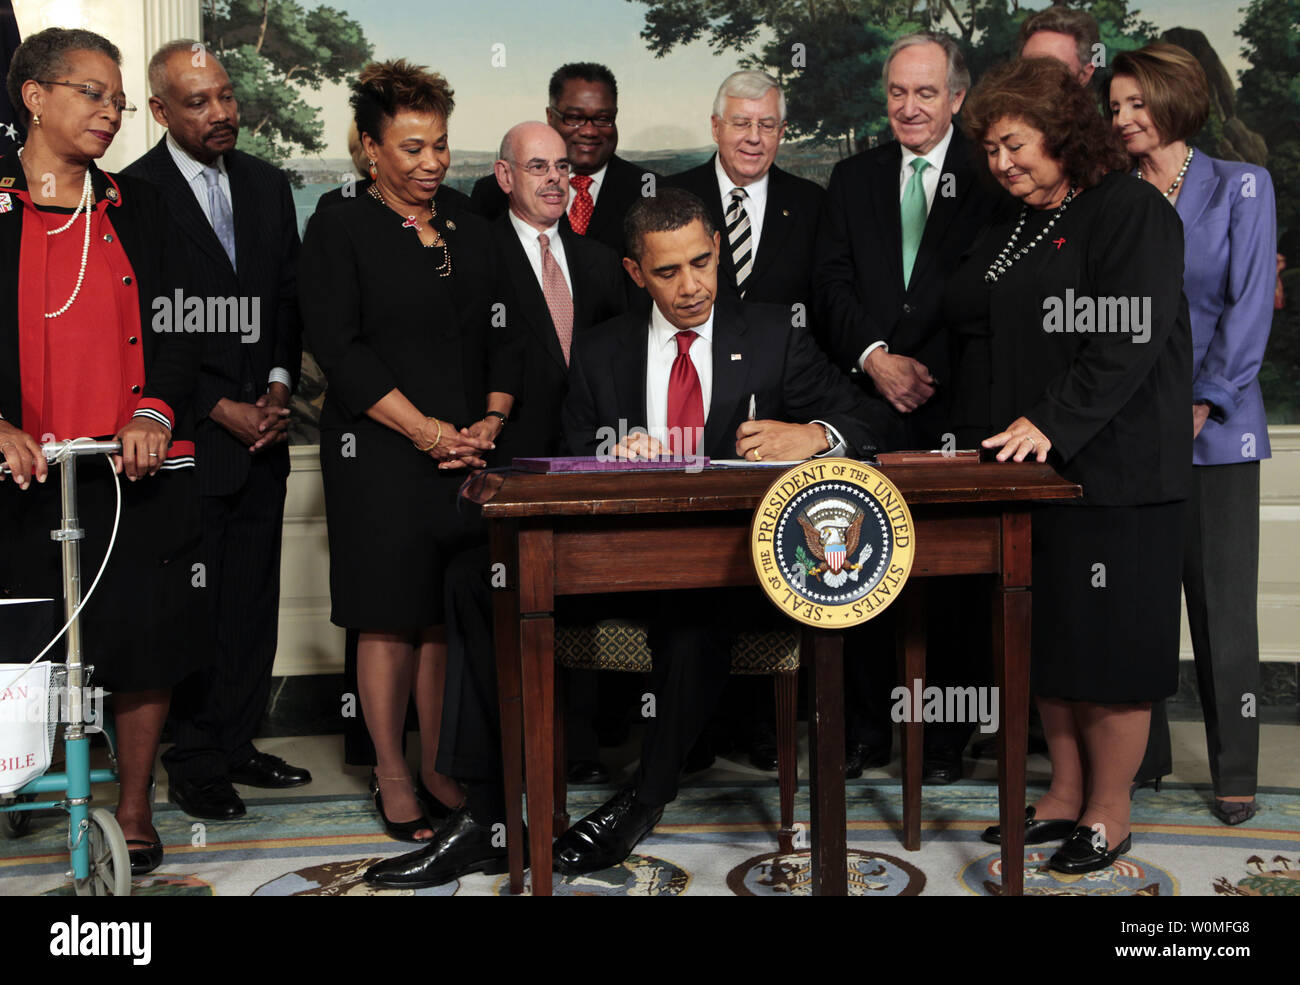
(685, 400)
(583, 204)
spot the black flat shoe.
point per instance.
(859, 756)
(606, 836)
(212, 800)
(400, 830)
(460, 846)
(1233, 812)
(941, 768)
(1036, 832)
(1079, 855)
(264, 770)
(146, 858)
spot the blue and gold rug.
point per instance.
(714, 840)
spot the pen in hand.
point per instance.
(753, 408)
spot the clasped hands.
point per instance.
(257, 425)
(457, 449)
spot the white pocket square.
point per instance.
(735, 356)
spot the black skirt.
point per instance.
(1107, 584)
(394, 524)
(139, 627)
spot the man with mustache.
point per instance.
(583, 109)
(897, 219)
(240, 232)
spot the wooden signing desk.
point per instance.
(588, 533)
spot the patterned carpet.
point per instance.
(714, 840)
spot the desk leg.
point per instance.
(537, 678)
(830, 872)
(505, 614)
(1011, 638)
(911, 671)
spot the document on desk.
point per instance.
(592, 464)
(742, 463)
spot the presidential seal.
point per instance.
(832, 542)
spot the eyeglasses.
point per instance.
(765, 126)
(541, 168)
(97, 96)
(576, 120)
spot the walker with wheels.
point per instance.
(100, 861)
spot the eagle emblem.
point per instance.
(832, 530)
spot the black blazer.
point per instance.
(858, 274)
(149, 237)
(622, 185)
(780, 365)
(266, 250)
(1117, 410)
(783, 266)
(379, 318)
(598, 295)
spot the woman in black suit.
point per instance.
(1074, 346)
(83, 254)
(398, 307)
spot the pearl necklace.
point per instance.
(1006, 258)
(1182, 172)
(85, 205)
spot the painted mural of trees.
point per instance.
(272, 49)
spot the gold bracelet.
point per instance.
(434, 444)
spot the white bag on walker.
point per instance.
(29, 718)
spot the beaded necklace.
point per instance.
(444, 268)
(1002, 263)
(1182, 172)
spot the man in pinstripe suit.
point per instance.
(240, 230)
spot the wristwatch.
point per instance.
(831, 440)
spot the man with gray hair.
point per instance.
(767, 216)
(239, 230)
(1069, 36)
(897, 219)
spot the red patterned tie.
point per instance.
(583, 204)
(558, 298)
(685, 400)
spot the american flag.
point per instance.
(11, 133)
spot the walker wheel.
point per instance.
(18, 823)
(110, 860)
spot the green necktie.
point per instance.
(914, 213)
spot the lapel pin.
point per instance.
(6, 203)
(735, 357)
(785, 212)
(6, 182)
(1058, 243)
(111, 194)
(451, 225)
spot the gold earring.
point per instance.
(36, 120)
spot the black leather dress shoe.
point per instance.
(1080, 854)
(264, 770)
(762, 747)
(586, 772)
(1036, 832)
(460, 846)
(941, 768)
(859, 756)
(606, 836)
(145, 858)
(212, 800)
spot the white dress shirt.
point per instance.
(755, 201)
(597, 181)
(192, 171)
(661, 353)
(930, 179)
(529, 238)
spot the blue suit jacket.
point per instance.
(1230, 231)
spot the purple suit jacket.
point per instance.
(1230, 231)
